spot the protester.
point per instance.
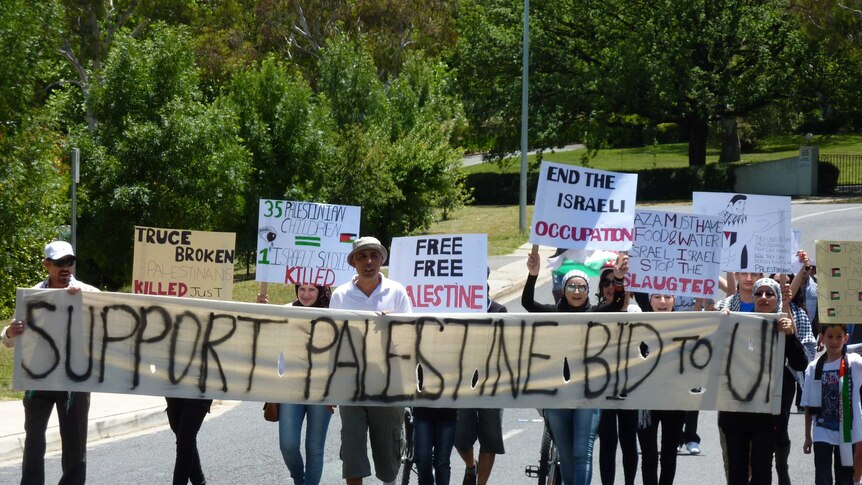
(371, 291)
(484, 425)
(751, 437)
(72, 407)
(830, 396)
(791, 378)
(616, 425)
(574, 430)
(185, 417)
(291, 416)
(671, 425)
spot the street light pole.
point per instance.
(525, 83)
(76, 179)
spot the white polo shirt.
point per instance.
(389, 296)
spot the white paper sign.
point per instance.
(168, 346)
(583, 208)
(673, 253)
(756, 230)
(305, 243)
(442, 273)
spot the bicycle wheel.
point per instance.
(554, 476)
(406, 470)
(545, 457)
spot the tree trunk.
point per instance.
(697, 129)
(730, 148)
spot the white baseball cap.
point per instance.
(58, 250)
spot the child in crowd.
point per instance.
(832, 404)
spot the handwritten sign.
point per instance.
(839, 281)
(179, 262)
(442, 273)
(756, 234)
(305, 243)
(676, 254)
(157, 345)
(582, 208)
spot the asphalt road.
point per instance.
(239, 447)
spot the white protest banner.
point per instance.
(182, 347)
(677, 254)
(442, 273)
(178, 262)
(839, 281)
(756, 230)
(305, 243)
(583, 208)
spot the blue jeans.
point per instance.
(433, 440)
(574, 432)
(290, 417)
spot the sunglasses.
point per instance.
(63, 263)
(605, 283)
(765, 294)
(573, 288)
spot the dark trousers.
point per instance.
(186, 417)
(689, 431)
(671, 427)
(750, 439)
(609, 434)
(826, 458)
(72, 411)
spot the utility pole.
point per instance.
(525, 83)
(76, 179)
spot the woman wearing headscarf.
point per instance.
(316, 416)
(574, 430)
(751, 437)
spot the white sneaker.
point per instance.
(693, 448)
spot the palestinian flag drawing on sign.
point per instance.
(836, 272)
(831, 312)
(835, 248)
(834, 295)
(307, 241)
(346, 237)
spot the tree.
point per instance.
(160, 156)
(597, 63)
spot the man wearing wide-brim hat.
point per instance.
(73, 408)
(370, 290)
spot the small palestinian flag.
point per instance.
(834, 248)
(836, 272)
(834, 295)
(346, 237)
(307, 241)
(831, 312)
(859, 296)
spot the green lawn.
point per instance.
(676, 154)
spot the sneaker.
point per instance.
(693, 448)
(469, 476)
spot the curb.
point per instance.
(12, 446)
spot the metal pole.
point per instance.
(76, 178)
(525, 83)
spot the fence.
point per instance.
(850, 172)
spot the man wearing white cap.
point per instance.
(72, 407)
(370, 290)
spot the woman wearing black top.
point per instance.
(574, 430)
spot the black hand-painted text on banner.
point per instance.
(141, 344)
